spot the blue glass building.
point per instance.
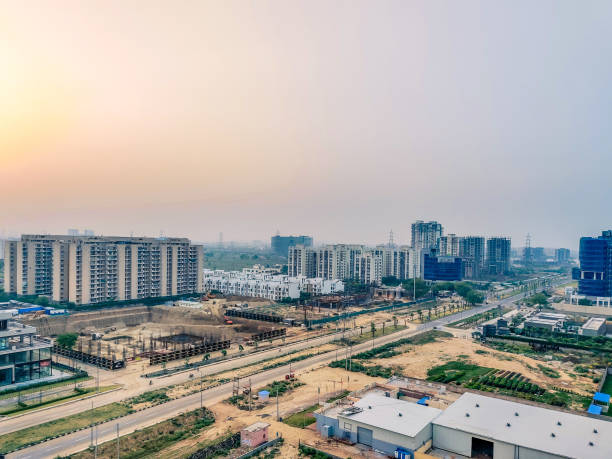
(442, 268)
(595, 275)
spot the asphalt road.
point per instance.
(108, 431)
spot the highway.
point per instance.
(79, 441)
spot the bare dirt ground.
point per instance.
(330, 381)
(416, 362)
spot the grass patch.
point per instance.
(343, 394)
(80, 393)
(41, 432)
(456, 371)
(302, 418)
(549, 371)
(145, 442)
(38, 387)
(366, 336)
(607, 385)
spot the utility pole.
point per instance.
(201, 394)
(92, 423)
(117, 440)
(277, 415)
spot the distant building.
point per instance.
(472, 251)
(595, 326)
(23, 356)
(94, 269)
(426, 235)
(280, 244)
(595, 274)
(273, 287)
(369, 268)
(498, 255)
(562, 256)
(302, 261)
(449, 245)
(442, 268)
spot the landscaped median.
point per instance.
(155, 438)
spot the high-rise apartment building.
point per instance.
(302, 261)
(369, 267)
(498, 255)
(472, 251)
(562, 256)
(425, 235)
(280, 244)
(449, 245)
(94, 269)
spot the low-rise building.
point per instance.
(273, 287)
(384, 423)
(255, 434)
(23, 356)
(595, 326)
(480, 426)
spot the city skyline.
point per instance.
(332, 119)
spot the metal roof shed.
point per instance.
(520, 430)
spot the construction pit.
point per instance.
(159, 333)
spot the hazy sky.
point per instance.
(339, 119)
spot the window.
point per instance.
(347, 426)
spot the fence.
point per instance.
(190, 351)
(218, 449)
(34, 398)
(253, 315)
(97, 360)
(260, 448)
(346, 315)
(269, 334)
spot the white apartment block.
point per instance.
(94, 269)
(272, 287)
(349, 261)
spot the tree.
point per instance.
(42, 301)
(394, 321)
(584, 302)
(473, 297)
(462, 288)
(67, 340)
(240, 347)
(224, 352)
(391, 281)
(372, 328)
(421, 287)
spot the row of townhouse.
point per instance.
(269, 286)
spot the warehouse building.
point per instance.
(479, 426)
(384, 423)
(595, 326)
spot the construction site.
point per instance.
(112, 338)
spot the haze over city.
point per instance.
(337, 119)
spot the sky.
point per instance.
(338, 119)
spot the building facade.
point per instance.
(562, 256)
(472, 251)
(426, 235)
(94, 269)
(449, 245)
(595, 273)
(272, 287)
(440, 268)
(23, 356)
(280, 244)
(498, 255)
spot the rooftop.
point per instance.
(257, 426)
(399, 416)
(556, 432)
(594, 323)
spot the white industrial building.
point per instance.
(472, 426)
(595, 326)
(274, 287)
(384, 423)
(502, 429)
